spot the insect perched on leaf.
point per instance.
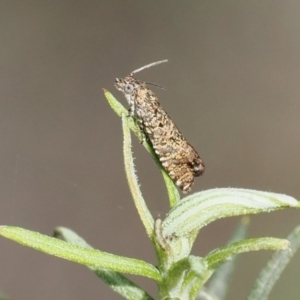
(177, 156)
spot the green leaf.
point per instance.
(172, 190)
(218, 256)
(219, 283)
(81, 255)
(136, 193)
(117, 282)
(120, 110)
(198, 210)
(275, 266)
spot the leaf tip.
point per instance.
(106, 92)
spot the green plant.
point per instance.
(178, 274)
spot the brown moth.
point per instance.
(177, 156)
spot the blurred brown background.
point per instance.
(233, 90)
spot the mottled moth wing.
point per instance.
(178, 157)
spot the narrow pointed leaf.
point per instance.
(198, 210)
(134, 187)
(275, 266)
(120, 110)
(88, 257)
(219, 283)
(172, 190)
(220, 255)
(117, 282)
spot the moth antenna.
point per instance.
(150, 65)
(157, 85)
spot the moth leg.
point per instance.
(129, 112)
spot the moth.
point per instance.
(177, 156)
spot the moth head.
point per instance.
(126, 85)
